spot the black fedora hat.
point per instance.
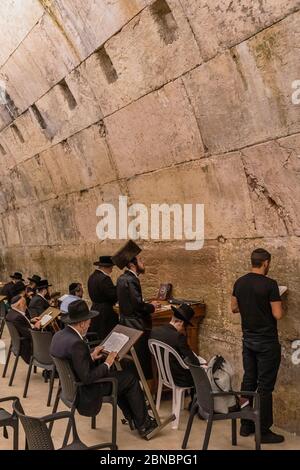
(18, 276)
(184, 313)
(35, 278)
(105, 261)
(43, 284)
(78, 311)
(128, 251)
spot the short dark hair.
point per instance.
(132, 261)
(74, 287)
(258, 256)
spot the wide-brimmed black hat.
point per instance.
(18, 276)
(128, 251)
(78, 311)
(35, 278)
(184, 313)
(43, 284)
(104, 261)
(18, 288)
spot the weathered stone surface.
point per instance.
(244, 96)
(219, 24)
(220, 184)
(16, 20)
(154, 137)
(143, 58)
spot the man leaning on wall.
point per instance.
(256, 297)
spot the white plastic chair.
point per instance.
(161, 353)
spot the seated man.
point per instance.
(39, 303)
(173, 334)
(16, 315)
(69, 344)
(8, 288)
(75, 293)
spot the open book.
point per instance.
(115, 342)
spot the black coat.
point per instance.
(135, 313)
(67, 344)
(37, 306)
(169, 335)
(103, 294)
(8, 290)
(23, 326)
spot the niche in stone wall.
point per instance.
(72, 103)
(163, 15)
(18, 133)
(106, 65)
(2, 150)
(37, 114)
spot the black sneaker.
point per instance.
(149, 426)
(246, 430)
(271, 438)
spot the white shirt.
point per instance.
(133, 272)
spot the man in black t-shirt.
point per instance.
(256, 297)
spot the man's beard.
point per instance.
(141, 270)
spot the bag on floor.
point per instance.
(220, 374)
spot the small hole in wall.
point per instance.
(107, 65)
(18, 133)
(38, 116)
(72, 103)
(163, 15)
(2, 150)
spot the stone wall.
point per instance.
(184, 101)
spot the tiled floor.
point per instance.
(168, 439)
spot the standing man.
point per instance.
(103, 294)
(39, 303)
(134, 312)
(256, 297)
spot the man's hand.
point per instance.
(97, 353)
(156, 304)
(111, 358)
(37, 325)
(35, 320)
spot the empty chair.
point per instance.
(41, 341)
(204, 404)
(15, 347)
(37, 433)
(161, 353)
(67, 393)
(10, 420)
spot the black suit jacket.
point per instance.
(103, 294)
(37, 306)
(67, 344)
(134, 312)
(23, 326)
(169, 335)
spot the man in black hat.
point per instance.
(134, 312)
(103, 294)
(88, 367)
(17, 316)
(174, 334)
(31, 287)
(8, 289)
(39, 303)
(75, 293)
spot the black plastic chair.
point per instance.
(15, 347)
(10, 420)
(67, 393)
(41, 341)
(204, 405)
(37, 433)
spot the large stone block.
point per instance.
(218, 183)
(273, 171)
(88, 24)
(154, 136)
(154, 48)
(43, 59)
(16, 20)
(68, 107)
(244, 96)
(219, 24)
(11, 229)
